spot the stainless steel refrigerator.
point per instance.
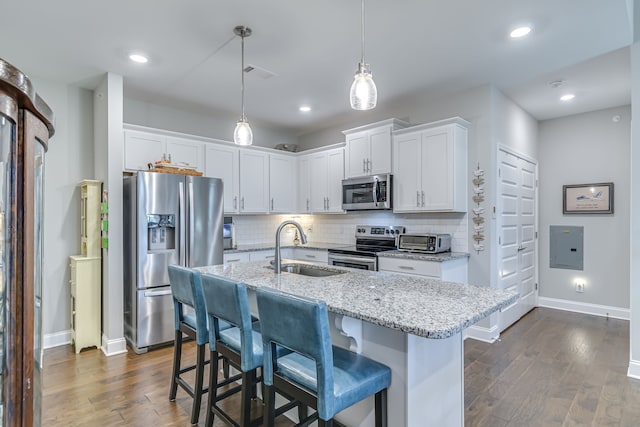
(168, 219)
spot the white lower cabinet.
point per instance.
(236, 257)
(454, 270)
(266, 255)
(320, 256)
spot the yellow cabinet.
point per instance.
(86, 291)
(90, 193)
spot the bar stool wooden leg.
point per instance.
(177, 354)
(197, 389)
(269, 407)
(213, 387)
(381, 408)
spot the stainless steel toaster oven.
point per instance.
(424, 243)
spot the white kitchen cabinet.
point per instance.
(266, 255)
(282, 188)
(187, 151)
(368, 149)
(454, 270)
(430, 167)
(326, 171)
(254, 182)
(236, 257)
(304, 183)
(320, 256)
(223, 161)
(142, 148)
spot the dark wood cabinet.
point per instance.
(26, 124)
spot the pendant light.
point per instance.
(364, 94)
(242, 135)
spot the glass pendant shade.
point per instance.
(243, 135)
(364, 94)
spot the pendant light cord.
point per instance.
(362, 28)
(242, 75)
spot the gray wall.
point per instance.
(587, 148)
(218, 124)
(68, 161)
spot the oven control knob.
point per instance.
(387, 231)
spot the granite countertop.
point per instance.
(441, 257)
(425, 307)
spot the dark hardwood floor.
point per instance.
(551, 368)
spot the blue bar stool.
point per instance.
(324, 377)
(186, 290)
(227, 301)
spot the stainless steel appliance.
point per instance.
(228, 233)
(367, 193)
(425, 243)
(369, 241)
(168, 219)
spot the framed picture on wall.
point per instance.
(587, 198)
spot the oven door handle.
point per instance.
(351, 259)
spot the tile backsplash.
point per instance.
(340, 229)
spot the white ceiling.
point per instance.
(313, 48)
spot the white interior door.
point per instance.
(516, 210)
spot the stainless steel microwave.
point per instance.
(367, 193)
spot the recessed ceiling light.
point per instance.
(520, 32)
(140, 59)
(567, 97)
(305, 108)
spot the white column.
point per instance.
(108, 135)
(634, 362)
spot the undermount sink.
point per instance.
(309, 270)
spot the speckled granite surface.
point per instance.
(441, 257)
(425, 307)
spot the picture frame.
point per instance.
(588, 198)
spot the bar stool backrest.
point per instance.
(301, 325)
(227, 300)
(186, 289)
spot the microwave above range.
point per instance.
(367, 193)
(424, 243)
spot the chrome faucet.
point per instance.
(303, 239)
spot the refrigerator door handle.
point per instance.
(190, 224)
(181, 228)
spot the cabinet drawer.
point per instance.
(236, 257)
(311, 255)
(410, 266)
(262, 255)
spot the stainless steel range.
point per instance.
(369, 241)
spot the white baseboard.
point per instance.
(480, 333)
(634, 369)
(113, 347)
(586, 308)
(57, 339)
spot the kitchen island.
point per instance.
(414, 325)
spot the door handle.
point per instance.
(242, 203)
(157, 293)
(418, 198)
(307, 205)
(235, 202)
(272, 203)
(364, 165)
(182, 216)
(376, 185)
(423, 199)
(368, 165)
(521, 248)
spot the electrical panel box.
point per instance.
(566, 247)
